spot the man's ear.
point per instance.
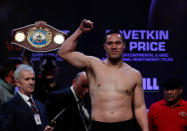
(180, 90)
(74, 83)
(104, 46)
(11, 73)
(124, 45)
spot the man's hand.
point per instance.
(49, 128)
(40, 23)
(86, 25)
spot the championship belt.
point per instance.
(38, 39)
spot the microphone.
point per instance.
(53, 121)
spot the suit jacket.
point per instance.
(16, 115)
(70, 119)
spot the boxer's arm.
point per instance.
(139, 104)
(67, 52)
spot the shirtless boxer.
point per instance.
(113, 85)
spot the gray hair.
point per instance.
(21, 67)
(79, 74)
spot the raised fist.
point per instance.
(86, 25)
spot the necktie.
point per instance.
(83, 113)
(33, 105)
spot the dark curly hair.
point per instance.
(7, 66)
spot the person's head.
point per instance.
(173, 89)
(25, 79)
(7, 70)
(48, 67)
(80, 85)
(114, 44)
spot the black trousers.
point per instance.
(114, 126)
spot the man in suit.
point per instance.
(22, 112)
(7, 83)
(46, 81)
(74, 117)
